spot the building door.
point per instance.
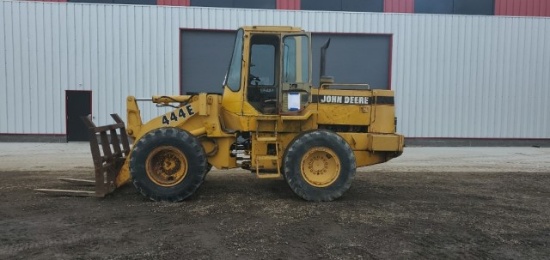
(204, 57)
(351, 58)
(77, 104)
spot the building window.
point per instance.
(323, 5)
(135, 2)
(343, 5)
(363, 5)
(212, 3)
(433, 6)
(486, 7)
(257, 4)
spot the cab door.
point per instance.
(295, 88)
(262, 77)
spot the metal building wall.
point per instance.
(455, 76)
(113, 50)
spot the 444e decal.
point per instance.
(180, 114)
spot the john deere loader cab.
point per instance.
(271, 68)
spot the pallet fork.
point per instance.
(108, 161)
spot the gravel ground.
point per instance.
(430, 203)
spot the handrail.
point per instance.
(305, 116)
(326, 85)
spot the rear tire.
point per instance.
(168, 164)
(319, 165)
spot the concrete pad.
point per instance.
(45, 156)
(76, 156)
(468, 159)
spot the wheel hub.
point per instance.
(320, 167)
(166, 166)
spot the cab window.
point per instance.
(233, 77)
(296, 59)
(262, 70)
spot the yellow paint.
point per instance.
(123, 176)
(385, 142)
(366, 158)
(166, 166)
(320, 167)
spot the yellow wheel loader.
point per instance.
(269, 120)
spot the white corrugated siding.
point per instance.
(454, 76)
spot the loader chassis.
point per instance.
(269, 120)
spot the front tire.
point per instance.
(168, 164)
(319, 165)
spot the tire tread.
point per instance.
(294, 153)
(172, 136)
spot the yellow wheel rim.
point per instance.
(320, 167)
(166, 166)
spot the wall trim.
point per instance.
(33, 138)
(477, 142)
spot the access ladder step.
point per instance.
(269, 175)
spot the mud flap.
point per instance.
(110, 147)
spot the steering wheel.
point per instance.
(253, 79)
(259, 92)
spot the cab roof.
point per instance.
(262, 28)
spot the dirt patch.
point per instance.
(235, 216)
